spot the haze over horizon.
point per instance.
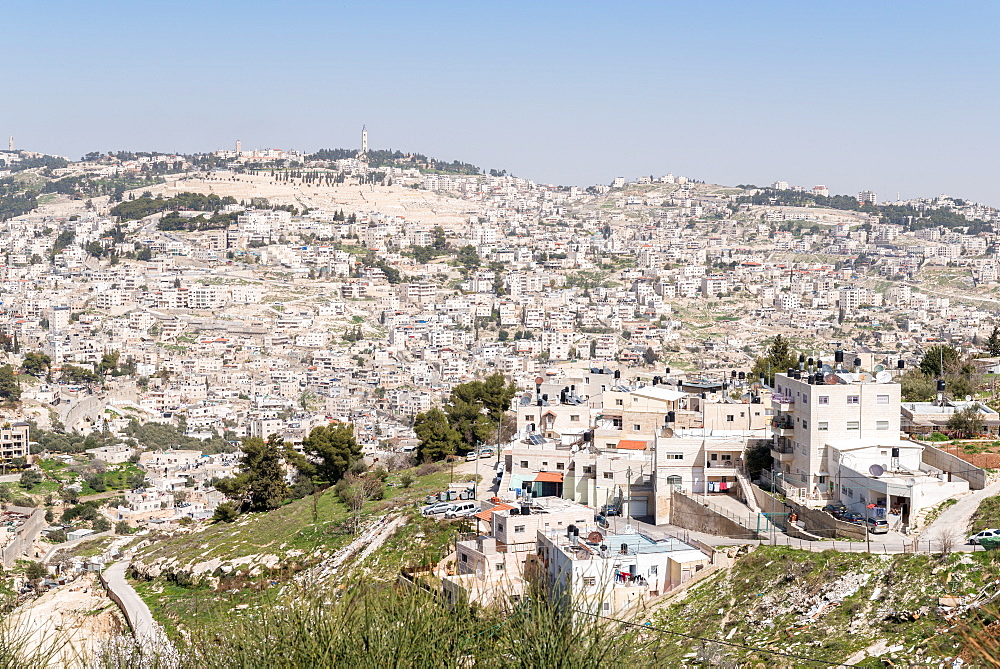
(857, 96)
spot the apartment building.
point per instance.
(837, 437)
(14, 441)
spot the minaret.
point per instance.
(10, 143)
(239, 148)
(364, 140)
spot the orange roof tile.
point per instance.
(487, 514)
(549, 477)
(632, 444)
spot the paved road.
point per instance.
(953, 523)
(74, 542)
(143, 627)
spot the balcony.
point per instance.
(783, 402)
(782, 452)
(783, 427)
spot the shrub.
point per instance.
(226, 512)
(406, 479)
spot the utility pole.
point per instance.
(628, 495)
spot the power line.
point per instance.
(724, 643)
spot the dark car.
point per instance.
(835, 509)
(852, 517)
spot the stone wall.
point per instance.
(25, 535)
(816, 522)
(692, 515)
(958, 467)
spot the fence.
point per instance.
(117, 600)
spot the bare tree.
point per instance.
(948, 539)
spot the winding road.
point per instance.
(143, 626)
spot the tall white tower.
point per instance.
(10, 143)
(239, 148)
(364, 140)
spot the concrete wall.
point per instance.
(816, 522)
(25, 535)
(947, 462)
(691, 515)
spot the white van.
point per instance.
(462, 509)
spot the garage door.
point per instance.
(637, 506)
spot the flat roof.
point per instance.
(662, 393)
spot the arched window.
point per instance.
(674, 480)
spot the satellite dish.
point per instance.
(595, 537)
(846, 377)
(668, 432)
(831, 379)
(861, 377)
(878, 368)
(883, 377)
(968, 398)
(826, 369)
(876, 470)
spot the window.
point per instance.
(588, 469)
(673, 456)
(881, 425)
(560, 466)
(636, 427)
(619, 402)
(854, 399)
(617, 423)
(574, 419)
(730, 418)
(673, 480)
(465, 557)
(590, 581)
(500, 566)
(524, 464)
(652, 570)
(609, 475)
(824, 399)
(528, 418)
(499, 527)
(881, 399)
(518, 529)
(805, 425)
(853, 425)
(823, 427)
(715, 456)
(607, 606)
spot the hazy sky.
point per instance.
(888, 96)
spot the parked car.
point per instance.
(434, 509)
(985, 534)
(877, 525)
(471, 456)
(461, 509)
(486, 453)
(835, 509)
(852, 517)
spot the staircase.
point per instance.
(747, 491)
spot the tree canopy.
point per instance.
(779, 358)
(328, 452)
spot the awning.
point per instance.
(632, 444)
(549, 477)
